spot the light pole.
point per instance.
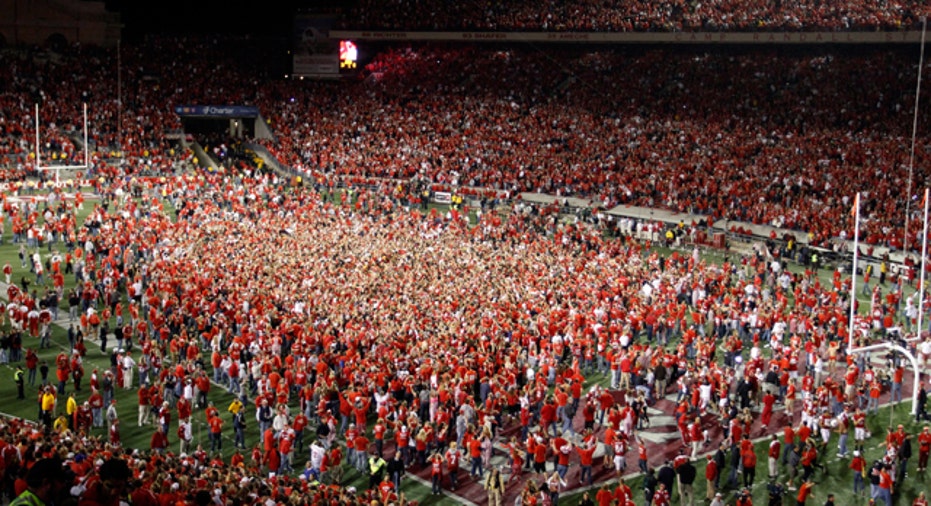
(911, 156)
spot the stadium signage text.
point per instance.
(901, 37)
(217, 111)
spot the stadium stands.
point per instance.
(603, 124)
(641, 15)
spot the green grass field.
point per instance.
(836, 479)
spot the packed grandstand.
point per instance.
(613, 16)
(358, 344)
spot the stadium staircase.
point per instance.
(77, 137)
(270, 160)
(203, 159)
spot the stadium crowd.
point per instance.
(525, 120)
(321, 313)
(660, 137)
(636, 16)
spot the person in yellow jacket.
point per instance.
(235, 406)
(47, 405)
(71, 406)
(60, 425)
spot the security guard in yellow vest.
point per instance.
(47, 482)
(376, 470)
(18, 379)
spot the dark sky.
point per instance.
(269, 17)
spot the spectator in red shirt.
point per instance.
(548, 417)
(920, 500)
(884, 490)
(711, 477)
(159, 441)
(539, 455)
(804, 492)
(858, 466)
(604, 497)
(475, 453)
(749, 466)
(216, 433)
(661, 496)
(809, 456)
(586, 455)
(924, 448)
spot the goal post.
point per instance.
(59, 168)
(904, 351)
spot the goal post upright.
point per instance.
(38, 156)
(87, 160)
(852, 348)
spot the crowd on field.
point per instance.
(358, 334)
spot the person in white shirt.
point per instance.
(317, 452)
(128, 365)
(224, 373)
(188, 391)
(704, 394)
(186, 435)
(111, 412)
(926, 351)
(911, 312)
(280, 421)
(717, 501)
(381, 399)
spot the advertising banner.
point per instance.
(217, 111)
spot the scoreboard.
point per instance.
(348, 55)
